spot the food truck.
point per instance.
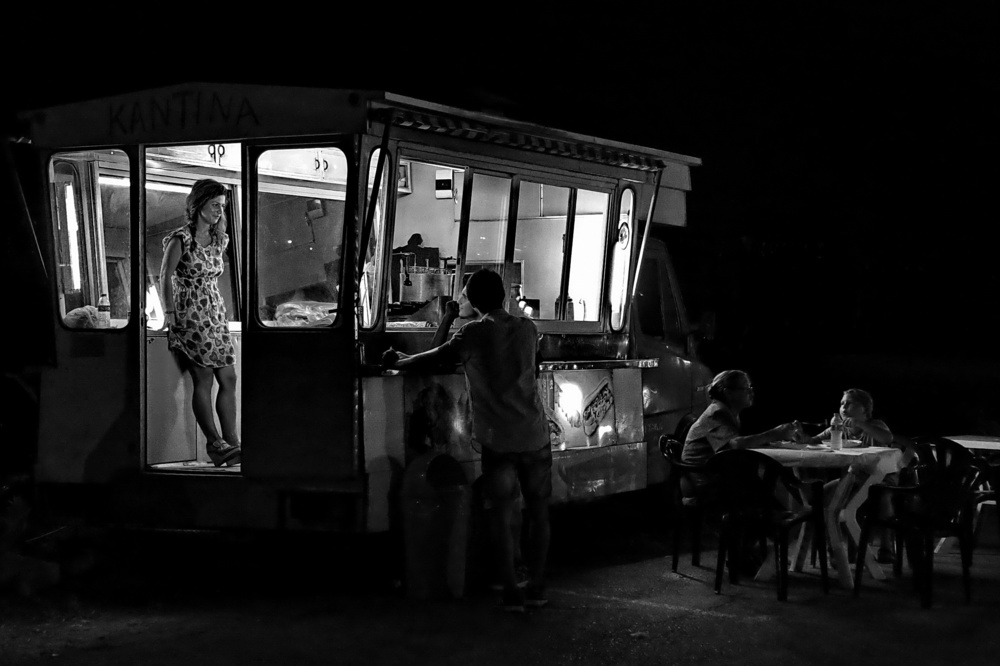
(353, 217)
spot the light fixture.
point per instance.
(114, 181)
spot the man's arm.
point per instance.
(450, 315)
(431, 358)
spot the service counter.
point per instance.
(594, 411)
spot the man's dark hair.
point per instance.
(485, 290)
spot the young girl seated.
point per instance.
(856, 412)
(856, 408)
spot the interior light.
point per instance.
(289, 242)
(571, 403)
(114, 181)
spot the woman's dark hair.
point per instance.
(201, 192)
(485, 290)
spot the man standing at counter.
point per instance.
(500, 355)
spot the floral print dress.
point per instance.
(201, 328)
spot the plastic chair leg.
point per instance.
(781, 564)
(927, 573)
(859, 565)
(965, 544)
(678, 526)
(819, 547)
(696, 520)
(720, 564)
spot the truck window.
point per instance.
(620, 259)
(301, 195)
(656, 306)
(423, 261)
(371, 267)
(543, 227)
(91, 215)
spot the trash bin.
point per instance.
(437, 501)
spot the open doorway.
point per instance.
(174, 442)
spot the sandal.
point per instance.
(223, 453)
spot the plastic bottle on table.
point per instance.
(836, 433)
(104, 312)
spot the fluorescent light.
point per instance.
(114, 181)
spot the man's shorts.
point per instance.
(502, 472)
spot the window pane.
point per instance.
(620, 259)
(91, 214)
(171, 171)
(539, 246)
(300, 232)
(488, 214)
(371, 273)
(590, 225)
(424, 243)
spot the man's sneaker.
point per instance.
(534, 596)
(512, 600)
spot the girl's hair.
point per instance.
(864, 398)
(722, 381)
(201, 192)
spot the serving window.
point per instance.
(548, 241)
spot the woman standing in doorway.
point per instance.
(198, 329)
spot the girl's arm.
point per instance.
(171, 257)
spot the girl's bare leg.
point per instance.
(225, 403)
(202, 401)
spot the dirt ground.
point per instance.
(168, 599)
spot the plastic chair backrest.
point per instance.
(950, 479)
(673, 446)
(683, 426)
(747, 479)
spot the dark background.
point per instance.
(841, 228)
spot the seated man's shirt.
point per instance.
(712, 432)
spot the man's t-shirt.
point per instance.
(714, 429)
(499, 355)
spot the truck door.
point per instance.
(90, 401)
(659, 328)
(299, 384)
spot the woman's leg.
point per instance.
(225, 403)
(202, 401)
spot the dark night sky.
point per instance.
(845, 202)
